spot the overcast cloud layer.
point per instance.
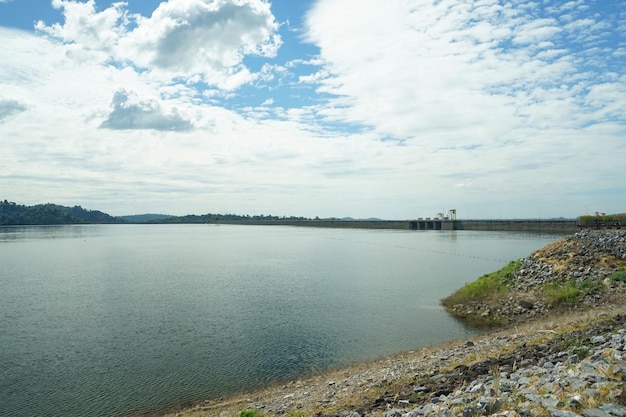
(362, 108)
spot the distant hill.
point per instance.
(16, 214)
(144, 218)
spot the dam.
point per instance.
(531, 225)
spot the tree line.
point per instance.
(216, 218)
(12, 214)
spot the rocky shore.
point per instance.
(582, 263)
(560, 360)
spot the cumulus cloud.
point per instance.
(9, 108)
(182, 38)
(87, 33)
(131, 113)
(203, 37)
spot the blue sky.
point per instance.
(362, 108)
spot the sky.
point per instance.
(392, 109)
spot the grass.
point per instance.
(250, 413)
(558, 293)
(619, 276)
(579, 345)
(568, 292)
(486, 287)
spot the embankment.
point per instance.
(585, 269)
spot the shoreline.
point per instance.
(335, 391)
(556, 332)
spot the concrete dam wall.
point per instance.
(564, 226)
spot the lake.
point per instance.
(117, 320)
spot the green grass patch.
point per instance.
(619, 276)
(562, 292)
(485, 287)
(576, 343)
(590, 286)
(250, 413)
(559, 293)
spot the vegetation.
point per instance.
(561, 292)
(12, 214)
(601, 219)
(576, 343)
(558, 294)
(212, 218)
(144, 218)
(605, 217)
(486, 287)
(619, 276)
(250, 413)
(17, 214)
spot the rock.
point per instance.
(595, 412)
(562, 413)
(576, 401)
(476, 387)
(614, 409)
(597, 340)
(470, 411)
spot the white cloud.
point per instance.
(182, 38)
(130, 113)
(535, 32)
(411, 70)
(88, 34)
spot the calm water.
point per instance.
(124, 319)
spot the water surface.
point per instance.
(111, 320)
